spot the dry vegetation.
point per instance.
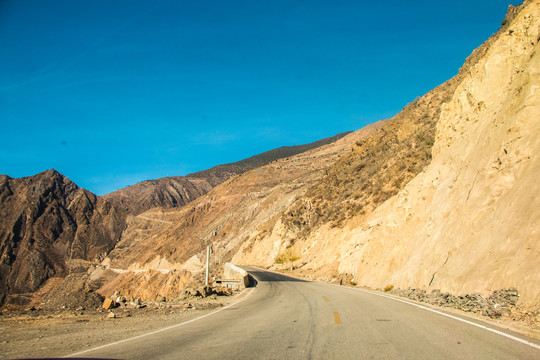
(288, 256)
(376, 169)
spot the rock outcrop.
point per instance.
(47, 222)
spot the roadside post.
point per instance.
(207, 264)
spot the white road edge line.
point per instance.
(159, 330)
(515, 338)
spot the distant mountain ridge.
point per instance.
(176, 191)
(239, 167)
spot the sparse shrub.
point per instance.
(378, 167)
(360, 166)
(287, 256)
(388, 288)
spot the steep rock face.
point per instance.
(47, 220)
(177, 191)
(468, 221)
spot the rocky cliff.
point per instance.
(445, 195)
(177, 191)
(47, 223)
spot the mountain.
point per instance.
(48, 223)
(441, 196)
(176, 191)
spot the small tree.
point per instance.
(287, 256)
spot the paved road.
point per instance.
(285, 318)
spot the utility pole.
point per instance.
(207, 264)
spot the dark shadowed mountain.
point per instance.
(47, 221)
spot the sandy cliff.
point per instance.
(469, 220)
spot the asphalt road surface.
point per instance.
(286, 318)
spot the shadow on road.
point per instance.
(266, 276)
(252, 281)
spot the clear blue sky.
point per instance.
(111, 93)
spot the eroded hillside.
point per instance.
(168, 192)
(54, 234)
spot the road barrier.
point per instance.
(235, 276)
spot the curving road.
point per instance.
(287, 318)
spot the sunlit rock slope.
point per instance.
(463, 217)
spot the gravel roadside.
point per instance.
(39, 334)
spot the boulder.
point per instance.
(224, 291)
(205, 291)
(190, 292)
(108, 303)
